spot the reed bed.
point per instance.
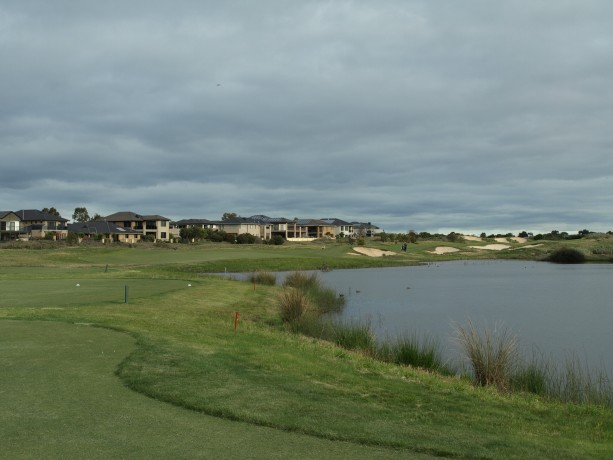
(263, 277)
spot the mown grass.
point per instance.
(189, 354)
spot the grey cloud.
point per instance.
(416, 114)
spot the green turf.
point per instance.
(61, 400)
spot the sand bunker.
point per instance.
(443, 250)
(471, 238)
(371, 252)
(519, 239)
(492, 247)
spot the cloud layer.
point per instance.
(434, 116)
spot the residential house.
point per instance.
(105, 229)
(177, 226)
(341, 228)
(38, 224)
(266, 227)
(242, 225)
(155, 226)
(366, 229)
(310, 229)
(9, 225)
(199, 223)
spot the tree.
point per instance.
(192, 233)
(97, 217)
(80, 215)
(52, 211)
(229, 215)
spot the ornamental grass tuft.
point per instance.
(492, 354)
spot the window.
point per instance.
(163, 235)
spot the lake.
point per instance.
(559, 311)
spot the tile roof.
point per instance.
(100, 227)
(38, 216)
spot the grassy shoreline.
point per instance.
(188, 354)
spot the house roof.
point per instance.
(35, 215)
(239, 220)
(193, 222)
(100, 227)
(364, 225)
(310, 222)
(129, 216)
(334, 221)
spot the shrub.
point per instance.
(567, 256)
(492, 355)
(277, 240)
(245, 238)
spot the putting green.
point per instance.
(59, 398)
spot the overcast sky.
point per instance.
(470, 115)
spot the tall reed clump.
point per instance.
(325, 299)
(293, 305)
(492, 355)
(354, 335)
(577, 383)
(263, 277)
(416, 351)
(571, 381)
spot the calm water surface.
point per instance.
(559, 311)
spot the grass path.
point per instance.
(59, 398)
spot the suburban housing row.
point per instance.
(130, 227)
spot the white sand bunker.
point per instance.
(443, 250)
(492, 247)
(372, 252)
(471, 238)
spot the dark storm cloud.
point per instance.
(425, 115)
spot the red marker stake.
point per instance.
(235, 320)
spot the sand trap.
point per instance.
(492, 247)
(501, 240)
(443, 250)
(518, 239)
(371, 252)
(530, 246)
(471, 238)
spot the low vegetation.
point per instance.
(567, 256)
